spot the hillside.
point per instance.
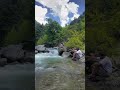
(16, 21)
(102, 26)
(72, 35)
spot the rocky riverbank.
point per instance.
(40, 49)
(109, 83)
(106, 83)
(15, 54)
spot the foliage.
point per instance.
(42, 40)
(102, 26)
(39, 30)
(14, 15)
(52, 30)
(49, 33)
(76, 34)
(77, 40)
(22, 34)
(72, 35)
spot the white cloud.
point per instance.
(61, 8)
(75, 16)
(40, 14)
(73, 7)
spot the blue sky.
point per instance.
(81, 4)
(62, 11)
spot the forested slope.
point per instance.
(52, 33)
(102, 26)
(16, 24)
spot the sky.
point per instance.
(62, 11)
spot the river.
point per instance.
(53, 72)
(17, 77)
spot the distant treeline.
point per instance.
(52, 33)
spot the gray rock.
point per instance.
(13, 52)
(61, 50)
(29, 57)
(3, 61)
(40, 48)
(66, 54)
(36, 51)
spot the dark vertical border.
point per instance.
(103, 36)
(17, 35)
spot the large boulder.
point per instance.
(61, 50)
(36, 51)
(13, 52)
(40, 48)
(29, 57)
(3, 61)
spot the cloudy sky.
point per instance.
(62, 11)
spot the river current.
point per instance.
(54, 72)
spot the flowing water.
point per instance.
(17, 77)
(44, 60)
(53, 72)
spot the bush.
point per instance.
(42, 40)
(76, 40)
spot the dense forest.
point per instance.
(103, 26)
(51, 34)
(17, 24)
